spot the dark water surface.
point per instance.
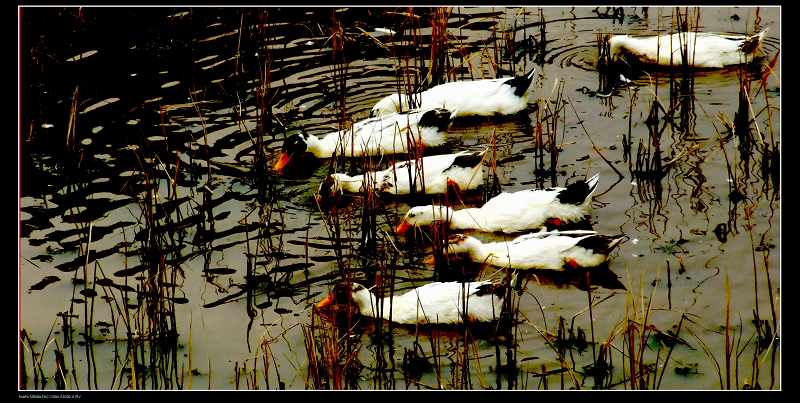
(140, 142)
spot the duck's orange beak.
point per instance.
(402, 228)
(453, 184)
(325, 302)
(282, 161)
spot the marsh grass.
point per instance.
(149, 327)
(72, 124)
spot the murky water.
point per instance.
(140, 144)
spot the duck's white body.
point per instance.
(433, 172)
(435, 303)
(464, 98)
(513, 212)
(704, 50)
(394, 133)
(542, 251)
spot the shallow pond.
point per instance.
(148, 137)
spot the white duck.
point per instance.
(512, 212)
(434, 303)
(543, 250)
(391, 134)
(489, 97)
(462, 170)
(704, 50)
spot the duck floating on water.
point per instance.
(542, 250)
(489, 97)
(434, 303)
(512, 212)
(704, 49)
(388, 134)
(461, 171)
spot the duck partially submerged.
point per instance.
(434, 303)
(391, 134)
(704, 49)
(542, 251)
(512, 212)
(489, 97)
(431, 175)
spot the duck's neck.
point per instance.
(478, 252)
(374, 307)
(400, 102)
(322, 148)
(351, 184)
(429, 136)
(355, 183)
(468, 218)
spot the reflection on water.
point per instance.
(160, 251)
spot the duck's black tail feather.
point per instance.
(498, 289)
(578, 192)
(468, 160)
(520, 84)
(753, 43)
(437, 117)
(601, 243)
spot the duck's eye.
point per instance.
(358, 287)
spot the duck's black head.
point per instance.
(339, 305)
(438, 118)
(329, 192)
(341, 294)
(293, 146)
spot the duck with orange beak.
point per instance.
(555, 250)
(396, 133)
(294, 146)
(461, 171)
(512, 212)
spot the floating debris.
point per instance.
(220, 270)
(43, 283)
(88, 293)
